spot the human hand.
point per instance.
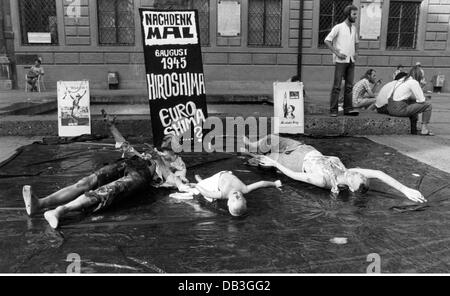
(341, 56)
(414, 195)
(267, 161)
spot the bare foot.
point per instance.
(31, 202)
(52, 218)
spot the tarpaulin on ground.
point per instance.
(298, 230)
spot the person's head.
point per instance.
(400, 67)
(356, 182)
(38, 62)
(400, 75)
(171, 142)
(294, 78)
(351, 13)
(168, 154)
(370, 75)
(291, 109)
(417, 73)
(237, 205)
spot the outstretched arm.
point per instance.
(410, 193)
(121, 142)
(261, 184)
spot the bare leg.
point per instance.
(80, 203)
(33, 205)
(262, 184)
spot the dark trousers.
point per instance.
(411, 109)
(344, 71)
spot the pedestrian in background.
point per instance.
(343, 43)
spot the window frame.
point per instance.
(280, 35)
(135, 24)
(24, 35)
(417, 26)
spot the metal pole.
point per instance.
(300, 42)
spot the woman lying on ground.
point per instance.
(225, 185)
(304, 163)
(109, 184)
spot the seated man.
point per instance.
(225, 185)
(107, 185)
(304, 163)
(405, 98)
(33, 74)
(364, 92)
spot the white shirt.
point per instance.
(403, 90)
(344, 40)
(409, 89)
(384, 94)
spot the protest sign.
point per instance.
(174, 73)
(73, 108)
(289, 107)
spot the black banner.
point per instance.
(174, 68)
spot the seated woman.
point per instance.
(225, 185)
(107, 185)
(304, 163)
(33, 74)
(408, 100)
(364, 92)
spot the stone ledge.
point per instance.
(138, 125)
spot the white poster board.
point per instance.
(370, 21)
(74, 116)
(39, 37)
(228, 18)
(289, 107)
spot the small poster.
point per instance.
(39, 37)
(289, 107)
(370, 24)
(228, 18)
(174, 74)
(74, 116)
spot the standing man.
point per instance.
(343, 42)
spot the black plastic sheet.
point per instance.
(283, 232)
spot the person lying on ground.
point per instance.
(225, 185)
(105, 186)
(304, 163)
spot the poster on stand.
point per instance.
(74, 116)
(174, 73)
(288, 107)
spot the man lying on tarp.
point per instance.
(113, 182)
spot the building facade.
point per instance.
(242, 40)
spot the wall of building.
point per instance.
(78, 55)
(433, 46)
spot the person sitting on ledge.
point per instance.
(109, 184)
(225, 185)
(364, 90)
(405, 98)
(304, 163)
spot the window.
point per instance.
(331, 13)
(264, 22)
(203, 19)
(116, 22)
(402, 25)
(38, 22)
(203, 13)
